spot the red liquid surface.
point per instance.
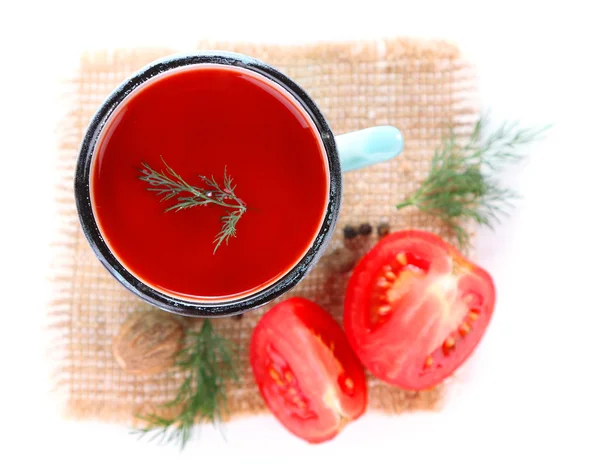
(201, 120)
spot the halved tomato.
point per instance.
(415, 309)
(306, 371)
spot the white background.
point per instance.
(531, 391)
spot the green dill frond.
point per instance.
(462, 183)
(170, 185)
(209, 364)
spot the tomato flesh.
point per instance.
(415, 309)
(306, 371)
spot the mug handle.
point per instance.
(369, 146)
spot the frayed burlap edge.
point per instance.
(61, 315)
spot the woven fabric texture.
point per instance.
(423, 88)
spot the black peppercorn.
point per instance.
(365, 229)
(350, 232)
(383, 229)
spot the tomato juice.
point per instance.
(200, 119)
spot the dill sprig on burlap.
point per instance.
(209, 363)
(462, 183)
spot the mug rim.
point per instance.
(180, 305)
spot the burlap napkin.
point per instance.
(423, 88)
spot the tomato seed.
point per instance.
(428, 361)
(391, 276)
(348, 383)
(275, 376)
(473, 315)
(383, 283)
(289, 376)
(449, 343)
(385, 309)
(402, 259)
(464, 328)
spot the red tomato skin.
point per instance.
(378, 356)
(297, 336)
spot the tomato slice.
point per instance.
(306, 371)
(415, 309)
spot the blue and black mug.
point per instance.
(342, 153)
